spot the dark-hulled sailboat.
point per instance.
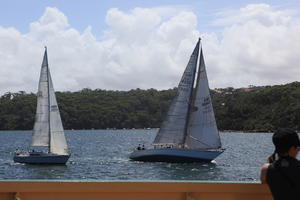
(48, 131)
(189, 132)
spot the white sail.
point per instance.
(40, 134)
(173, 128)
(58, 144)
(48, 129)
(202, 131)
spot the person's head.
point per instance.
(286, 142)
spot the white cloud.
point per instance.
(137, 51)
(259, 46)
(149, 47)
(262, 13)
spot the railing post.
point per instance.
(18, 196)
(189, 196)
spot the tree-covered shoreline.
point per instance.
(253, 109)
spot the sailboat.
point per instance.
(189, 131)
(48, 132)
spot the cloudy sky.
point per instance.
(122, 45)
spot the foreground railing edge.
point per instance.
(74, 189)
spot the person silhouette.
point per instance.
(282, 172)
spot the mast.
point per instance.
(192, 97)
(48, 91)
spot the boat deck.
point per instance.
(132, 190)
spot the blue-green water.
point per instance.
(103, 155)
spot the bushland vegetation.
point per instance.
(256, 108)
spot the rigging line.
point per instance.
(192, 93)
(197, 140)
(49, 103)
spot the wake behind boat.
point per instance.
(189, 131)
(48, 131)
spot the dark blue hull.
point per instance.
(175, 155)
(41, 158)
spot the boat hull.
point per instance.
(175, 155)
(41, 158)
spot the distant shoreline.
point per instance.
(254, 131)
(248, 131)
(256, 109)
(114, 129)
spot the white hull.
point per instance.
(175, 155)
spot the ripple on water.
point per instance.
(103, 155)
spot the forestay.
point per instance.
(173, 128)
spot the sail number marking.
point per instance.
(206, 105)
(54, 108)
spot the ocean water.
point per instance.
(103, 155)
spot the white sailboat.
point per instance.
(189, 132)
(48, 131)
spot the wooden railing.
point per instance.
(132, 190)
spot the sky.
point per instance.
(123, 45)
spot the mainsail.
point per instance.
(202, 131)
(48, 129)
(174, 126)
(40, 134)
